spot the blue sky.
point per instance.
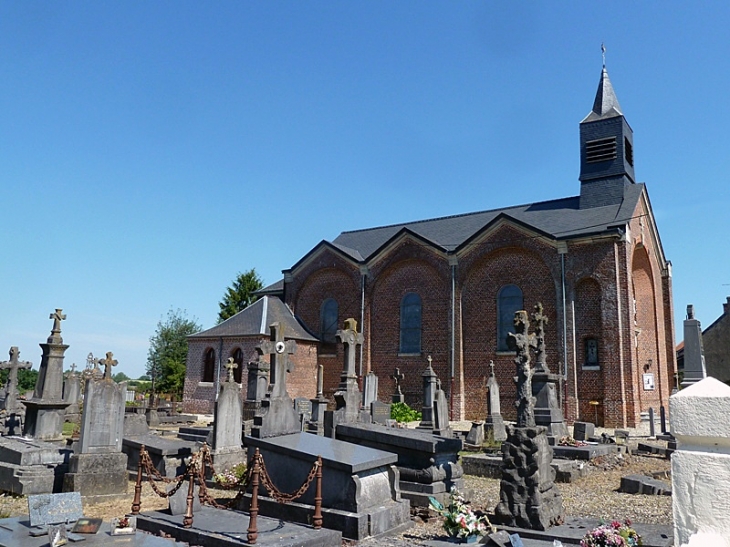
(150, 151)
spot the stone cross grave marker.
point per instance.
(279, 351)
(11, 388)
(523, 341)
(350, 339)
(57, 316)
(398, 376)
(108, 363)
(231, 365)
(540, 322)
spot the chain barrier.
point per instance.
(277, 494)
(204, 495)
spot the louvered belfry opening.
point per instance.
(601, 150)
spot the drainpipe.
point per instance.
(363, 272)
(563, 249)
(452, 356)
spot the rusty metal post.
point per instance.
(253, 511)
(317, 520)
(188, 518)
(137, 501)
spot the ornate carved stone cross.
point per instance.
(108, 363)
(279, 351)
(350, 339)
(11, 388)
(231, 365)
(57, 317)
(540, 321)
(523, 341)
(398, 376)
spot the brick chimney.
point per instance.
(726, 306)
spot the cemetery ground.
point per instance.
(595, 495)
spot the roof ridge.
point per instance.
(473, 213)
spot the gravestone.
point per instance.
(278, 416)
(319, 405)
(429, 396)
(347, 396)
(398, 377)
(494, 424)
(380, 412)
(72, 395)
(528, 495)
(475, 437)
(44, 416)
(441, 413)
(370, 389)
(428, 465)
(303, 406)
(546, 385)
(99, 469)
(694, 353)
(582, 431)
(226, 449)
(257, 384)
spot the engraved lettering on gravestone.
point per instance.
(380, 412)
(11, 387)
(54, 508)
(108, 363)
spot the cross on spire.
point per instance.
(603, 54)
(231, 365)
(108, 363)
(279, 351)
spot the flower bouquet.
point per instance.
(459, 520)
(614, 534)
(231, 478)
(124, 525)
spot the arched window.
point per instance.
(410, 323)
(591, 352)
(209, 365)
(238, 359)
(509, 301)
(328, 321)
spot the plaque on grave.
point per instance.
(380, 412)
(54, 508)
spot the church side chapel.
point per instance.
(449, 288)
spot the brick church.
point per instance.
(448, 287)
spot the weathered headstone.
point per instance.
(398, 377)
(99, 469)
(319, 405)
(528, 495)
(429, 396)
(370, 389)
(347, 396)
(278, 416)
(494, 424)
(303, 406)
(441, 413)
(546, 385)
(72, 395)
(475, 437)
(10, 402)
(582, 431)
(257, 384)
(227, 448)
(694, 353)
(45, 412)
(54, 508)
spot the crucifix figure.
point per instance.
(108, 363)
(57, 317)
(11, 387)
(540, 321)
(398, 376)
(350, 339)
(231, 365)
(523, 341)
(279, 351)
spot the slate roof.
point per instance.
(606, 103)
(255, 321)
(558, 219)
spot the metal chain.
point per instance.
(154, 476)
(204, 495)
(283, 497)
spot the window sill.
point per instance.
(502, 352)
(418, 354)
(590, 367)
(205, 384)
(327, 355)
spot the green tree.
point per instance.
(168, 353)
(240, 294)
(120, 377)
(26, 379)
